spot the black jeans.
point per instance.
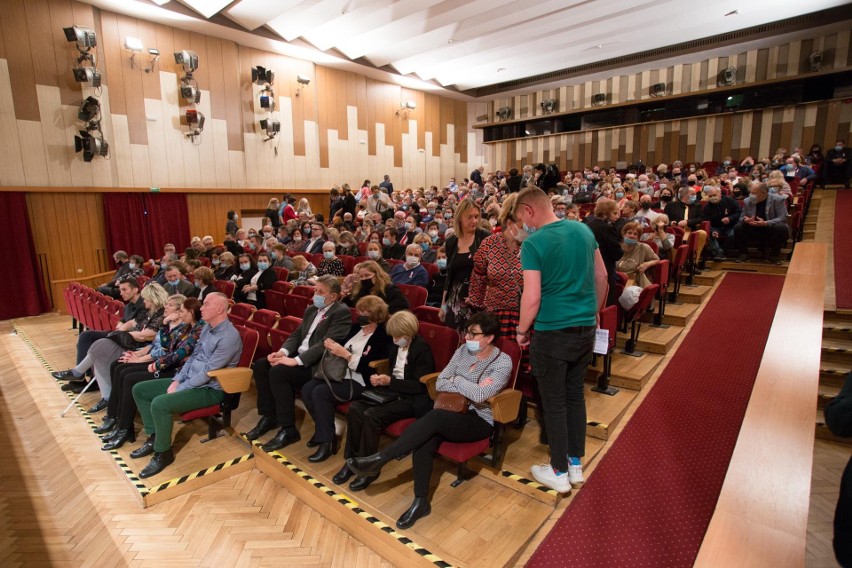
(122, 405)
(276, 390)
(320, 404)
(365, 422)
(85, 340)
(424, 436)
(772, 237)
(559, 360)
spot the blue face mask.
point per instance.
(528, 229)
(473, 346)
(629, 241)
(273, 255)
(319, 301)
(386, 242)
(691, 199)
(328, 254)
(164, 265)
(619, 194)
(773, 190)
(132, 265)
(262, 265)
(442, 263)
(424, 246)
(244, 266)
(838, 148)
(374, 254)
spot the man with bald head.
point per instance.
(219, 346)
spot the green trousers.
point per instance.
(158, 407)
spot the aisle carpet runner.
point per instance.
(650, 499)
(842, 243)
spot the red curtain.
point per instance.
(141, 223)
(21, 288)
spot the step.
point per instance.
(652, 339)
(834, 316)
(833, 372)
(836, 329)
(604, 412)
(676, 314)
(708, 277)
(628, 372)
(753, 266)
(826, 393)
(837, 350)
(693, 294)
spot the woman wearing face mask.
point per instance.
(253, 281)
(226, 267)
(203, 282)
(478, 371)
(497, 280)
(433, 231)
(330, 264)
(366, 342)
(298, 241)
(437, 282)
(371, 280)
(664, 240)
(411, 272)
(425, 243)
(374, 253)
(637, 257)
(781, 187)
(409, 358)
(602, 224)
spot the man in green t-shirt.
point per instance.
(565, 285)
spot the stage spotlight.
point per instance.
(504, 112)
(91, 146)
(262, 75)
(188, 59)
(271, 127)
(87, 75)
(190, 94)
(548, 105)
(85, 37)
(195, 122)
(90, 110)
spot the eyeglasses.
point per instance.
(472, 333)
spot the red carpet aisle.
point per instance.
(650, 500)
(842, 247)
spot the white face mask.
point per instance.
(412, 260)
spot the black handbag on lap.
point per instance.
(379, 397)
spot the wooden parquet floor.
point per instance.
(72, 507)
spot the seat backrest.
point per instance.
(393, 262)
(443, 340)
(661, 274)
(281, 273)
(250, 339)
(679, 259)
(142, 280)
(242, 310)
(609, 322)
(225, 287)
(362, 248)
(303, 291)
(295, 305)
(266, 318)
(416, 295)
(653, 246)
(348, 263)
(315, 258)
(204, 261)
(286, 326)
(511, 348)
(427, 314)
(643, 303)
(678, 233)
(431, 269)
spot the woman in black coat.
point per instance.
(367, 342)
(460, 249)
(253, 282)
(410, 358)
(371, 279)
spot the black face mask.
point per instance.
(665, 198)
(367, 282)
(364, 321)
(646, 206)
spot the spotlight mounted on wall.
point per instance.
(727, 77)
(86, 38)
(405, 107)
(658, 89)
(188, 60)
(91, 146)
(267, 99)
(815, 61)
(503, 113)
(87, 75)
(303, 82)
(195, 122)
(188, 92)
(90, 113)
(262, 76)
(599, 99)
(548, 105)
(270, 127)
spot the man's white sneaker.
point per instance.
(575, 475)
(545, 475)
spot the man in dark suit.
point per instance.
(476, 175)
(279, 375)
(838, 164)
(317, 239)
(764, 220)
(390, 247)
(122, 261)
(175, 283)
(387, 185)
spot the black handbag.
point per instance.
(332, 368)
(379, 397)
(125, 340)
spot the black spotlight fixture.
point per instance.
(271, 127)
(87, 75)
(190, 93)
(90, 110)
(262, 75)
(187, 59)
(86, 38)
(91, 146)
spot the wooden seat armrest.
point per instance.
(505, 405)
(430, 381)
(232, 379)
(381, 366)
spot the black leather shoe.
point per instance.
(325, 451)
(282, 438)
(264, 425)
(111, 435)
(66, 375)
(145, 449)
(107, 426)
(362, 482)
(77, 387)
(343, 475)
(121, 436)
(100, 405)
(370, 465)
(419, 509)
(158, 463)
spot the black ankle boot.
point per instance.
(419, 509)
(145, 449)
(362, 482)
(370, 465)
(324, 451)
(158, 463)
(343, 475)
(264, 425)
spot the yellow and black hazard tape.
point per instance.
(183, 479)
(131, 475)
(528, 482)
(344, 500)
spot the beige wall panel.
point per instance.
(32, 152)
(141, 165)
(55, 136)
(312, 158)
(793, 58)
(285, 141)
(11, 166)
(120, 151)
(772, 64)
(220, 152)
(745, 137)
(238, 169)
(841, 52)
(172, 135)
(157, 152)
(764, 144)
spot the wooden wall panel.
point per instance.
(21, 70)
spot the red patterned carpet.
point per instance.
(842, 244)
(651, 498)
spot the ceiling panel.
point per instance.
(207, 8)
(251, 14)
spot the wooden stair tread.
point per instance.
(754, 266)
(693, 294)
(603, 412)
(839, 345)
(653, 339)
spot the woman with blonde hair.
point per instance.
(272, 212)
(304, 207)
(370, 279)
(461, 247)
